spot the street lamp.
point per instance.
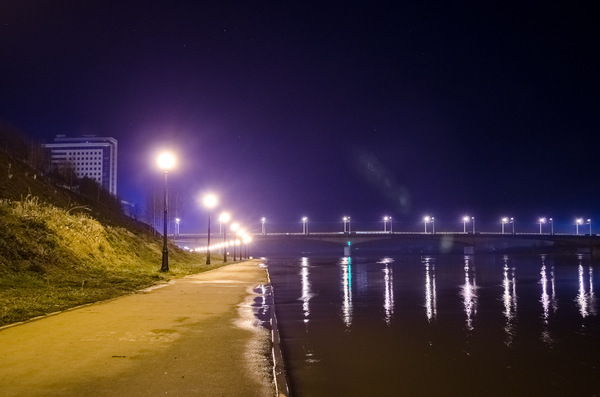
(234, 228)
(542, 221)
(465, 220)
(165, 162)
(304, 225)
(512, 220)
(551, 226)
(223, 219)
(210, 202)
(177, 220)
(578, 222)
(263, 220)
(387, 219)
(504, 221)
(473, 219)
(428, 219)
(241, 233)
(589, 222)
(346, 220)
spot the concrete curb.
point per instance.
(280, 377)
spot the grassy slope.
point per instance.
(55, 255)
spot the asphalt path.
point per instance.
(193, 336)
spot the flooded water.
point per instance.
(439, 325)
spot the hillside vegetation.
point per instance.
(59, 250)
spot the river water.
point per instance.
(439, 325)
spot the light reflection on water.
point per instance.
(469, 293)
(346, 266)
(430, 292)
(509, 299)
(416, 325)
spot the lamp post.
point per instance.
(223, 219)
(346, 220)
(428, 219)
(241, 233)
(504, 221)
(512, 220)
(387, 219)
(304, 225)
(578, 222)
(589, 222)
(551, 226)
(262, 221)
(465, 220)
(177, 220)
(541, 222)
(165, 161)
(210, 201)
(234, 228)
(473, 219)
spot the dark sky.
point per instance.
(293, 108)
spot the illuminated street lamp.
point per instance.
(246, 240)
(210, 202)
(177, 220)
(304, 225)
(578, 222)
(551, 226)
(234, 228)
(387, 219)
(165, 162)
(473, 219)
(223, 219)
(262, 221)
(465, 220)
(504, 221)
(589, 222)
(427, 219)
(346, 220)
(541, 222)
(512, 220)
(241, 233)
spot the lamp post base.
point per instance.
(165, 262)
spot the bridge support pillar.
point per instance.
(469, 249)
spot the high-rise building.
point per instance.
(87, 156)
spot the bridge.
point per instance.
(442, 242)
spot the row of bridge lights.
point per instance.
(430, 219)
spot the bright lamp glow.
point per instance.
(210, 201)
(224, 217)
(166, 161)
(466, 219)
(235, 226)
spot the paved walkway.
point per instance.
(194, 336)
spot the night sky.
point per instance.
(293, 108)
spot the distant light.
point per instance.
(466, 219)
(304, 219)
(348, 243)
(166, 161)
(235, 226)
